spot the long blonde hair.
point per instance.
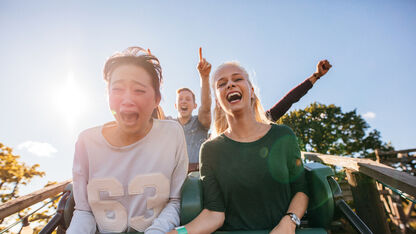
(220, 121)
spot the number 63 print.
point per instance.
(120, 221)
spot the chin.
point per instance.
(236, 110)
(131, 127)
(186, 114)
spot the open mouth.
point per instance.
(129, 117)
(184, 108)
(234, 97)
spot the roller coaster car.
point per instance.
(325, 200)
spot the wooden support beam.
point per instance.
(390, 176)
(409, 210)
(367, 201)
(383, 173)
(395, 152)
(400, 160)
(377, 152)
(23, 202)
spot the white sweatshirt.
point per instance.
(134, 187)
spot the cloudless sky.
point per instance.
(52, 55)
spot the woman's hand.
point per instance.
(322, 68)
(204, 67)
(286, 225)
(206, 222)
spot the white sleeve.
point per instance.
(169, 217)
(80, 175)
(82, 222)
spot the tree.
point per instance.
(13, 175)
(327, 130)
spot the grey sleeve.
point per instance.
(80, 170)
(169, 216)
(167, 219)
(82, 222)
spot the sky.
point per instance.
(52, 55)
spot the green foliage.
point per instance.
(327, 130)
(13, 175)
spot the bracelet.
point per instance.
(316, 76)
(181, 230)
(294, 218)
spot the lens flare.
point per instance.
(70, 100)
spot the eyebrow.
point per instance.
(134, 81)
(234, 74)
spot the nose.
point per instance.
(230, 85)
(127, 99)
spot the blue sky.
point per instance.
(53, 52)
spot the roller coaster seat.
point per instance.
(320, 211)
(318, 218)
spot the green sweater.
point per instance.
(253, 183)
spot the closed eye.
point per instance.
(238, 79)
(139, 91)
(221, 84)
(116, 89)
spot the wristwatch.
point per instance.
(294, 218)
(181, 230)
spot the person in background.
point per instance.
(294, 95)
(196, 127)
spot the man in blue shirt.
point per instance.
(195, 126)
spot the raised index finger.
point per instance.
(200, 53)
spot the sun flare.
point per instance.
(70, 100)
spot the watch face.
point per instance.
(295, 219)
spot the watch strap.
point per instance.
(294, 218)
(181, 230)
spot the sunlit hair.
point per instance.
(158, 113)
(142, 58)
(220, 121)
(186, 89)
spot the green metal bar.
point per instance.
(403, 195)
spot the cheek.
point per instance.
(147, 102)
(114, 102)
(219, 100)
(219, 95)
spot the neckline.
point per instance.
(154, 125)
(265, 136)
(189, 121)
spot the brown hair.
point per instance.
(142, 58)
(186, 89)
(220, 121)
(136, 56)
(158, 113)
